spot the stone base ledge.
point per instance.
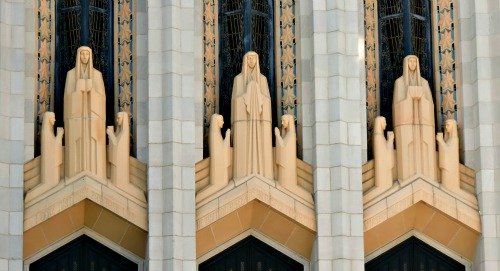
(69, 193)
(242, 191)
(397, 199)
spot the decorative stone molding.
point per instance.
(83, 187)
(371, 64)
(237, 194)
(448, 68)
(287, 52)
(210, 80)
(44, 84)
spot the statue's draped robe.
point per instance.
(251, 125)
(85, 121)
(414, 126)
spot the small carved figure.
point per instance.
(251, 121)
(220, 157)
(286, 157)
(383, 151)
(449, 156)
(413, 112)
(286, 152)
(51, 157)
(85, 118)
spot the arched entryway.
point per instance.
(84, 253)
(413, 255)
(251, 254)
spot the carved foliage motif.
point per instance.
(209, 60)
(371, 65)
(288, 49)
(43, 94)
(446, 20)
(447, 53)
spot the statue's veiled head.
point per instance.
(84, 60)
(379, 125)
(250, 68)
(451, 129)
(49, 118)
(411, 67)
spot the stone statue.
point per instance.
(449, 156)
(413, 113)
(383, 151)
(85, 118)
(220, 158)
(251, 121)
(51, 157)
(286, 152)
(119, 156)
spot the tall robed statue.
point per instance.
(85, 118)
(413, 113)
(251, 121)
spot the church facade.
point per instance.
(249, 135)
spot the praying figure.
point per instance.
(51, 157)
(286, 152)
(449, 156)
(220, 158)
(85, 118)
(251, 121)
(413, 113)
(383, 150)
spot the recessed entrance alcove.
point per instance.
(251, 254)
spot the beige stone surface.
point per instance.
(51, 160)
(413, 112)
(251, 121)
(85, 118)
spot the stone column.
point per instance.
(12, 67)
(337, 152)
(480, 32)
(171, 177)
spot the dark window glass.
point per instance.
(251, 254)
(404, 29)
(244, 26)
(413, 255)
(84, 23)
(83, 253)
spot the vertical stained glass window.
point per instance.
(244, 25)
(84, 23)
(404, 29)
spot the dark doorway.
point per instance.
(251, 254)
(413, 255)
(83, 253)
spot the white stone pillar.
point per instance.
(480, 33)
(337, 152)
(171, 133)
(12, 68)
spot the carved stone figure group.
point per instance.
(415, 153)
(251, 134)
(85, 134)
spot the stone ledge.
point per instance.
(239, 193)
(396, 200)
(83, 187)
